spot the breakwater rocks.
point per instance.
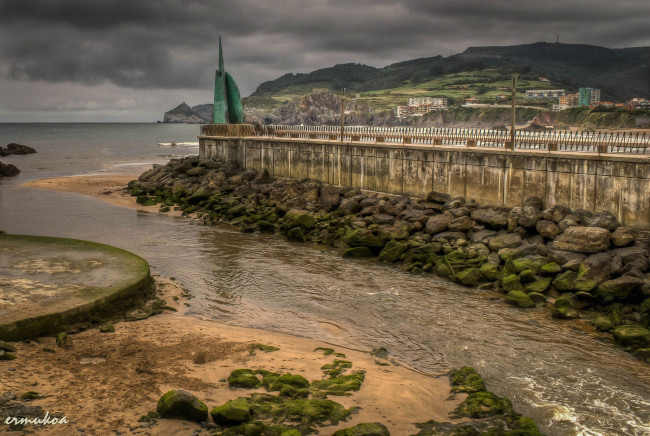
(578, 263)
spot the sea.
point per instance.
(568, 378)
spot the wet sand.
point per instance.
(104, 382)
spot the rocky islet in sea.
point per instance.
(10, 170)
(583, 264)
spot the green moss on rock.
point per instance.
(511, 283)
(470, 277)
(550, 269)
(357, 252)
(392, 251)
(232, 413)
(341, 385)
(243, 378)
(183, 405)
(520, 299)
(632, 335)
(483, 405)
(466, 380)
(364, 429)
(540, 285)
(565, 280)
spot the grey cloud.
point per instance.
(168, 44)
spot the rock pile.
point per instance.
(582, 263)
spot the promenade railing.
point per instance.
(545, 140)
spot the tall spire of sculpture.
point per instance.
(220, 55)
(227, 101)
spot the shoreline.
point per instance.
(132, 362)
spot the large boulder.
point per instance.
(438, 223)
(461, 224)
(530, 216)
(619, 289)
(508, 240)
(349, 205)
(392, 251)
(548, 229)
(438, 197)
(623, 236)
(182, 404)
(330, 197)
(234, 412)
(632, 335)
(583, 240)
(603, 219)
(362, 238)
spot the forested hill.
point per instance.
(620, 73)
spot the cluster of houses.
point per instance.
(418, 106)
(589, 97)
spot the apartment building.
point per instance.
(534, 94)
(588, 96)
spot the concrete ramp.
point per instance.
(47, 284)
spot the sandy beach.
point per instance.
(104, 382)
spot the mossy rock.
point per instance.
(292, 392)
(306, 221)
(392, 251)
(357, 252)
(336, 368)
(362, 238)
(540, 285)
(364, 429)
(234, 412)
(265, 226)
(297, 235)
(483, 405)
(584, 285)
(243, 378)
(520, 299)
(466, 380)
(550, 269)
(632, 335)
(537, 298)
(62, 339)
(183, 405)
(645, 308)
(107, 328)
(527, 276)
(314, 411)
(341, 385)
(7, 346)
(602, 323)
(511, 283)
(565, 280)
(533, 263)
(490, 271)
(295, 380)
(563, 308)
(470, 277)
(261, 347)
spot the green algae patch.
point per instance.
(336, 368)
(183, 405)
(466, 380)
(261, 347)
(76, 281)
(341, 385)
(243, 378)
(329, 352)
(483, 405)
(232, 413)
(364, 429)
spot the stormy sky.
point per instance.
(131, 60)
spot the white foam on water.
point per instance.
(180, 144)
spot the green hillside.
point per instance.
(478, 72)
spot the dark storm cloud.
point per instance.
(173, 44)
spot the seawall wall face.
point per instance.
(620, 184)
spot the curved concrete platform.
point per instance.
(47, 284)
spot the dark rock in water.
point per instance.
(583, 240)
(8, 170)
(14, 148)
(296, 234)
(182, 404)
(470, 277)
(392, 251)
(622, 237)
(563, 308)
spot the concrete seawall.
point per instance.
(620, 184)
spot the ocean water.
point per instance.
(571, 380)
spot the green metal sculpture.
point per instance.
(227, 100)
